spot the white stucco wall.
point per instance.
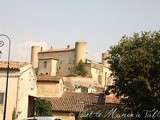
(27, 87)
(20, 85)
(50, 89)
(12, 92)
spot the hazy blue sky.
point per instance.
(57, 23)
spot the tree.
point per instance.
(135, 66)
(43, 108)
(14, 114)
(80, 69)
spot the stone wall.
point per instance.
(47, 67)
(66, 60)
(49, 89)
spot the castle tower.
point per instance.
(34, 55)
(80, 52)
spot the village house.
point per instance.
(71, 104)
(67, 105)
(21, 90)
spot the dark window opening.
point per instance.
(1, 98)
(45, 64)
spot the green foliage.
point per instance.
(43, 108)
(135, 62)
(14, 115)
(80, 69)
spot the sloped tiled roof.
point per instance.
(47, 78)
(13, 65)
(74, 102)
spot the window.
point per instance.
(69, 68)
(45, 64)
(1, 98)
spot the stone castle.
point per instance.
(61, 63)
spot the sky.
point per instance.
(58, 23)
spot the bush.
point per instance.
(43, 108)
(80, 69)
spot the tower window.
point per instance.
(45, 64)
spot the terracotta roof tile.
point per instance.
(12, 65)
(74, 102)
